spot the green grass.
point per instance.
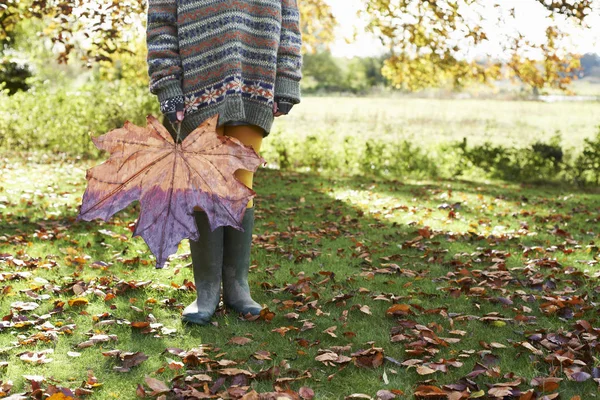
(430, 121)
(306, 224)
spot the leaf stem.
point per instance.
(178, 132)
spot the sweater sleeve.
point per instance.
(164, 63)
(289, 57)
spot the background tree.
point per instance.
(555, 70)
(427, 40)
(324, 73)
(95, 31)
(317, 25)
(590, 64)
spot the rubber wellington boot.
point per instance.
(236, 262)
(207, 263)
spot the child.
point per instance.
(240, 59)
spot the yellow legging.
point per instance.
(250, 135)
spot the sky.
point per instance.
(529, 19)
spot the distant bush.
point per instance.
(13, 76)
(62, 119)
(323, 74)
(539, 162)
(586, 167)
(536, 163)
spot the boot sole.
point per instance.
(194, 320)
(252, 311)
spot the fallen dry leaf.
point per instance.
(385, 395)
(306, 393)
(157, 386)
(36, 357)
(370, 358)
(235, 371)
(428, 392)
(240, 340)
(424, 370)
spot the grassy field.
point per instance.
(429, 121)
(434, 280)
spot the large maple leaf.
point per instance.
(169, 179)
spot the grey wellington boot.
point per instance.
(236, 262)
(207, 262)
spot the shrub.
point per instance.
(13, 76)
(538, 162)
(586, 167)
(62, 119)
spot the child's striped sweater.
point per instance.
(230, 57)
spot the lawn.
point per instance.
(474, 289)
(430, 121)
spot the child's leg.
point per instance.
(250, 135)
(237, 245)
(220, 131)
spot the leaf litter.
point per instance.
(510, 284)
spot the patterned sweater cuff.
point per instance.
(169, 90)
(288, 88)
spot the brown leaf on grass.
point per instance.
(362, 308)
(500, 392)
(226, 363)
(384, 394)
(429, 392)
(36, 357)
(265, 315)
(127, 359)
(96, 339)
(175, 365)
(157, 386)
(140, 324)
(546, 384)
(424, 370)
(78, 301)
(412, 361)
(175, 351)
(300, 376)
(306, 393)
(201, 378)
(234, 372)
(330, 331)
(292, 315)
(282, 330)
(60, 396)
(530, 347)
(140, 391)
(369, 358)
(399, 310)
(169, 179)
(331, 358)
(24, 306)
(307, 325)
(577, 375)
(262, 355)
(239, 340)
(252, 395)
(528, 395)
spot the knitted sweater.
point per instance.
(231, 57)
